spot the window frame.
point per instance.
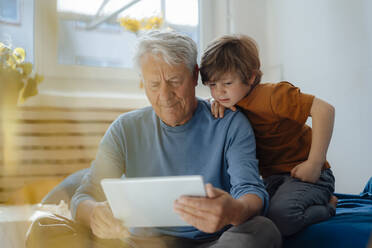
(46, 50)
(46, 54)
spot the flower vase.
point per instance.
(9, 92)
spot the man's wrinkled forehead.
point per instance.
(155, 66)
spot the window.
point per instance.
(91, 35)
(10, 11)
(17, 30)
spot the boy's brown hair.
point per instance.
(231, 53)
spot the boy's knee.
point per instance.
(287, 219)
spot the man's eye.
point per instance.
(154, 85)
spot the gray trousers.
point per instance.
(55, 231)
(295, 204)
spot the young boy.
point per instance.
(292, 156)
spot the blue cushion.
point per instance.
(350, 227)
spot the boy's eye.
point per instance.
(211, 85)
(228, 83)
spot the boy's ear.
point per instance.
(251, 80)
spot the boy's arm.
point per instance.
(322, 115)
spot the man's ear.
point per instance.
(196, 74)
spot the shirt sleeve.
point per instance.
(109, 163)
(287, 101)
(242, 162)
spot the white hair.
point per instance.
(175, 48)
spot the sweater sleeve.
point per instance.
(242, 162)
(109, 163)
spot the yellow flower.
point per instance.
(2, 48)
(135, 25)
(26, 68)
(11, 62)
(17, 82)
(19, 54)
(154, 22)
(130, 24)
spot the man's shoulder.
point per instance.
(134, 117)
(231, 119)
(228, 114)
(136, 114)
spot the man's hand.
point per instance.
(307, 171)
(209, 214)
(217, 109)
(104, 225)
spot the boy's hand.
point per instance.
(217, 109)
(307, 171)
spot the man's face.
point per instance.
(170, 90)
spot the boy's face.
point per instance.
(229, 89)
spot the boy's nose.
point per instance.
(220, 89)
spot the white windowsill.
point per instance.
(87, 100)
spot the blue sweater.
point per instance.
(139, 144)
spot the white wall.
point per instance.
(325, 48)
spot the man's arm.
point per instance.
(251, 205)
(323, 115)
(245, 180)
(98, 216)
(89, 204)
(84, 211)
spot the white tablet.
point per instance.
(148, 201)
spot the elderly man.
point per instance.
(177, 135)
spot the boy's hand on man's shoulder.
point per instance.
(307, 171)
(217, 109)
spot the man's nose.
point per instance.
(166, 92)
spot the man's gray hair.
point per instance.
(175, 48)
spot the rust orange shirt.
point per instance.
(278, 113)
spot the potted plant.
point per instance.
(18, 81)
